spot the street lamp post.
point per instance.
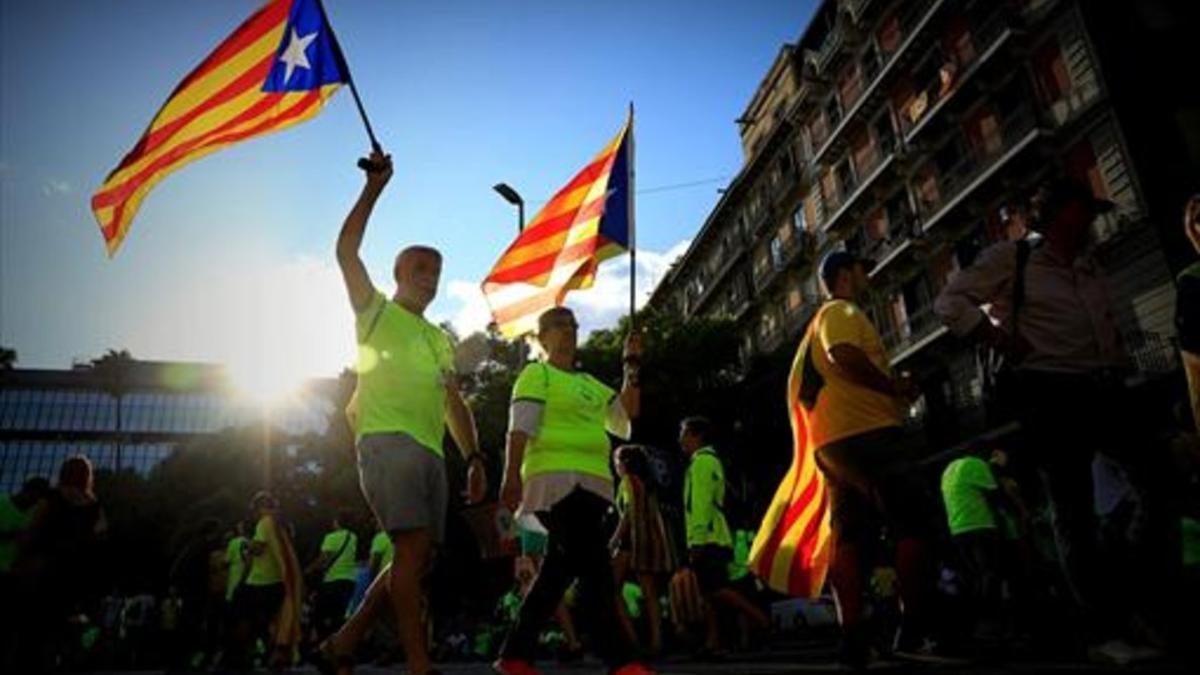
(510, 195)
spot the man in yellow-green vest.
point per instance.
(337, 565)
(709, 542)
(406, 400)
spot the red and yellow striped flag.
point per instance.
(793, 547)
(277, 69)
(586, 222)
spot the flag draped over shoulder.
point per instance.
(792, 550)
(286, 630)
(277, 69)
(586, 222)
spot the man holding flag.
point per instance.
(852, 468)
(407, 397)
(557, 464)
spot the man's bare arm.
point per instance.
(354, 272)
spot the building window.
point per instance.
(1050, 69)
(833, 111)
(869, 64)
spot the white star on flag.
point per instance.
(294, 55)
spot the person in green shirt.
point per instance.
(16, 511)
(268, 604)
(407, 396)
(976, 508)
(557, 468)
(336, 565)
(236, 554)
(381, 553)
(709, 542)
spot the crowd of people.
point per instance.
(1086, 520)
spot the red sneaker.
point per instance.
(514, 667)
(633, 668)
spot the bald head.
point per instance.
(417, 271)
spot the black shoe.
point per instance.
(854, 648)
(706, 655)
(924, 649)
(568, 655)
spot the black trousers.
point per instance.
(1067, 419)
(333, 598)
(981, 556)
(577, 548)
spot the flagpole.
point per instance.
(364, 163)
(632, 230)
(362, 112)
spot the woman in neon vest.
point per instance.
(557, 467)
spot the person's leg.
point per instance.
(915, 570)
(850, 492)
(587, 550)
(376, 600)
(845, 575)
(712, 629)
(412, 559)
(563, 616)
(1068, 486)
(653, 612)
(547, 591)
(620, 572)
(733, 599)
(1154, 548)
(905, 504)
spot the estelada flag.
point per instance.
(277, 69)
(793, 547)
(588, 221)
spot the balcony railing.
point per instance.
(856, 8)
(819, 131)
(910, 23)
(920, 325)
(778, 260)
(849, 193)
(729, 257)
(797, 316)
(1151, 353)
(1074, 102)
(905, 229)
(834, 41)
(942, 86)
(952, 182)
(769, 341)
(911, 17)
(764, 216)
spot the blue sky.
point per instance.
(230, 258)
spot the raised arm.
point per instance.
(354, 273)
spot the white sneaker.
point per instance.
(1121, 653)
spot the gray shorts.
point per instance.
(404, 483)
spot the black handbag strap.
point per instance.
(1024, 249)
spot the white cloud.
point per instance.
(54, 187)
(472, 314)
(597, 307)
